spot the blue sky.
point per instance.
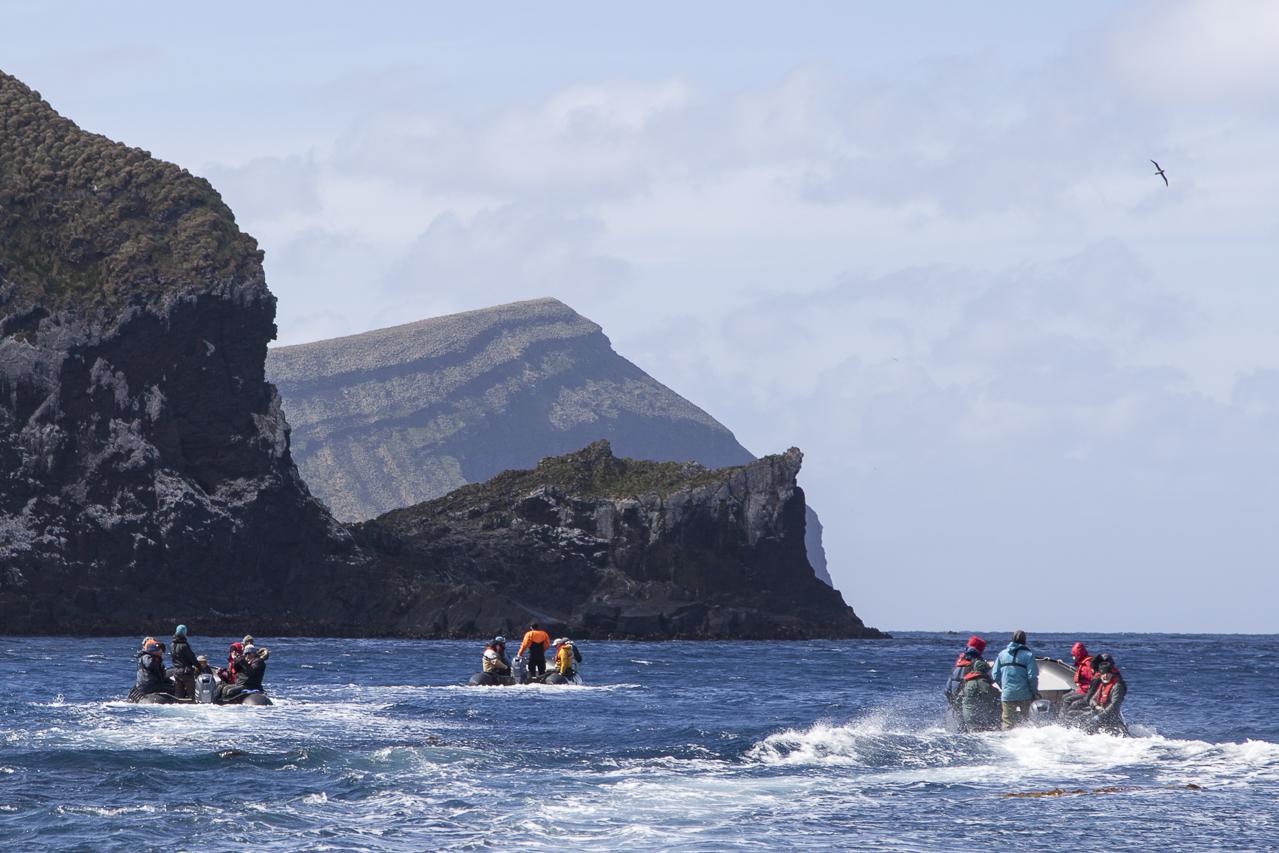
(923, 242)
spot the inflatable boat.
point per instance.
(206, 691)
(520, 675)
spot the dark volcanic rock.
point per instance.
(401, 415)
(145, 473)
(609, 547)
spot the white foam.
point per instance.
(1048, 752)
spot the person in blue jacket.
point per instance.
(1017, 675)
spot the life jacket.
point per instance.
(1013, 658)
(233, 655)
(958, 674)
(1103, 692)
(564, 660)
(1083, 675)
(492, 657)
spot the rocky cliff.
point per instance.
(146, 476)
(605, 547)
(396, 416)
(144, 462)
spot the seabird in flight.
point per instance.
(1160, 172)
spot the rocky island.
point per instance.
(401, 415)
(610, 547)
(146, 475)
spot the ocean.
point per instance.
(377, 745)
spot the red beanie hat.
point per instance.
(975, 642)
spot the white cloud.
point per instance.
(502, 255)
(1201, 50)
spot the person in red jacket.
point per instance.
(1083, 667)
(233, 657)
(1077, 702)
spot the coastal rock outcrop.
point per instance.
(405, 414)
(144, 460)
(601, 546)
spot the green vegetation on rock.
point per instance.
(592, 473)
(89, 223)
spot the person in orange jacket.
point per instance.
(536, 642)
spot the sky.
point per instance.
(923, 242)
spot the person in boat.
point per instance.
(233, 656)
(184, 664)
(1083, 667)
(978, 699)
(1105, 696)
(963, 665)
(249, 672)
(567, 657)
(536, 642)
(1017, 675)
(1078, 701)
(494, 660)
(202, 666)
(151, 676)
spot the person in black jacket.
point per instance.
(184, 665)
(151, 675)
(1105, 696)
(248, 674)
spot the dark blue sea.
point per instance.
(375, 745)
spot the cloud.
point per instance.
(1201, 50)
(583, 141)
(266, 188)
(502, 255)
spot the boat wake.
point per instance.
(1047, 753)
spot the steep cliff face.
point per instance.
(609, 547)
(397, 416)
(144, 463)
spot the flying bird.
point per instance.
(1160, 172)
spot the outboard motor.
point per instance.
(1041, 712)
(204, 687)
(519, 670)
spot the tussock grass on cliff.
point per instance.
(89, 223)
(591, 473)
